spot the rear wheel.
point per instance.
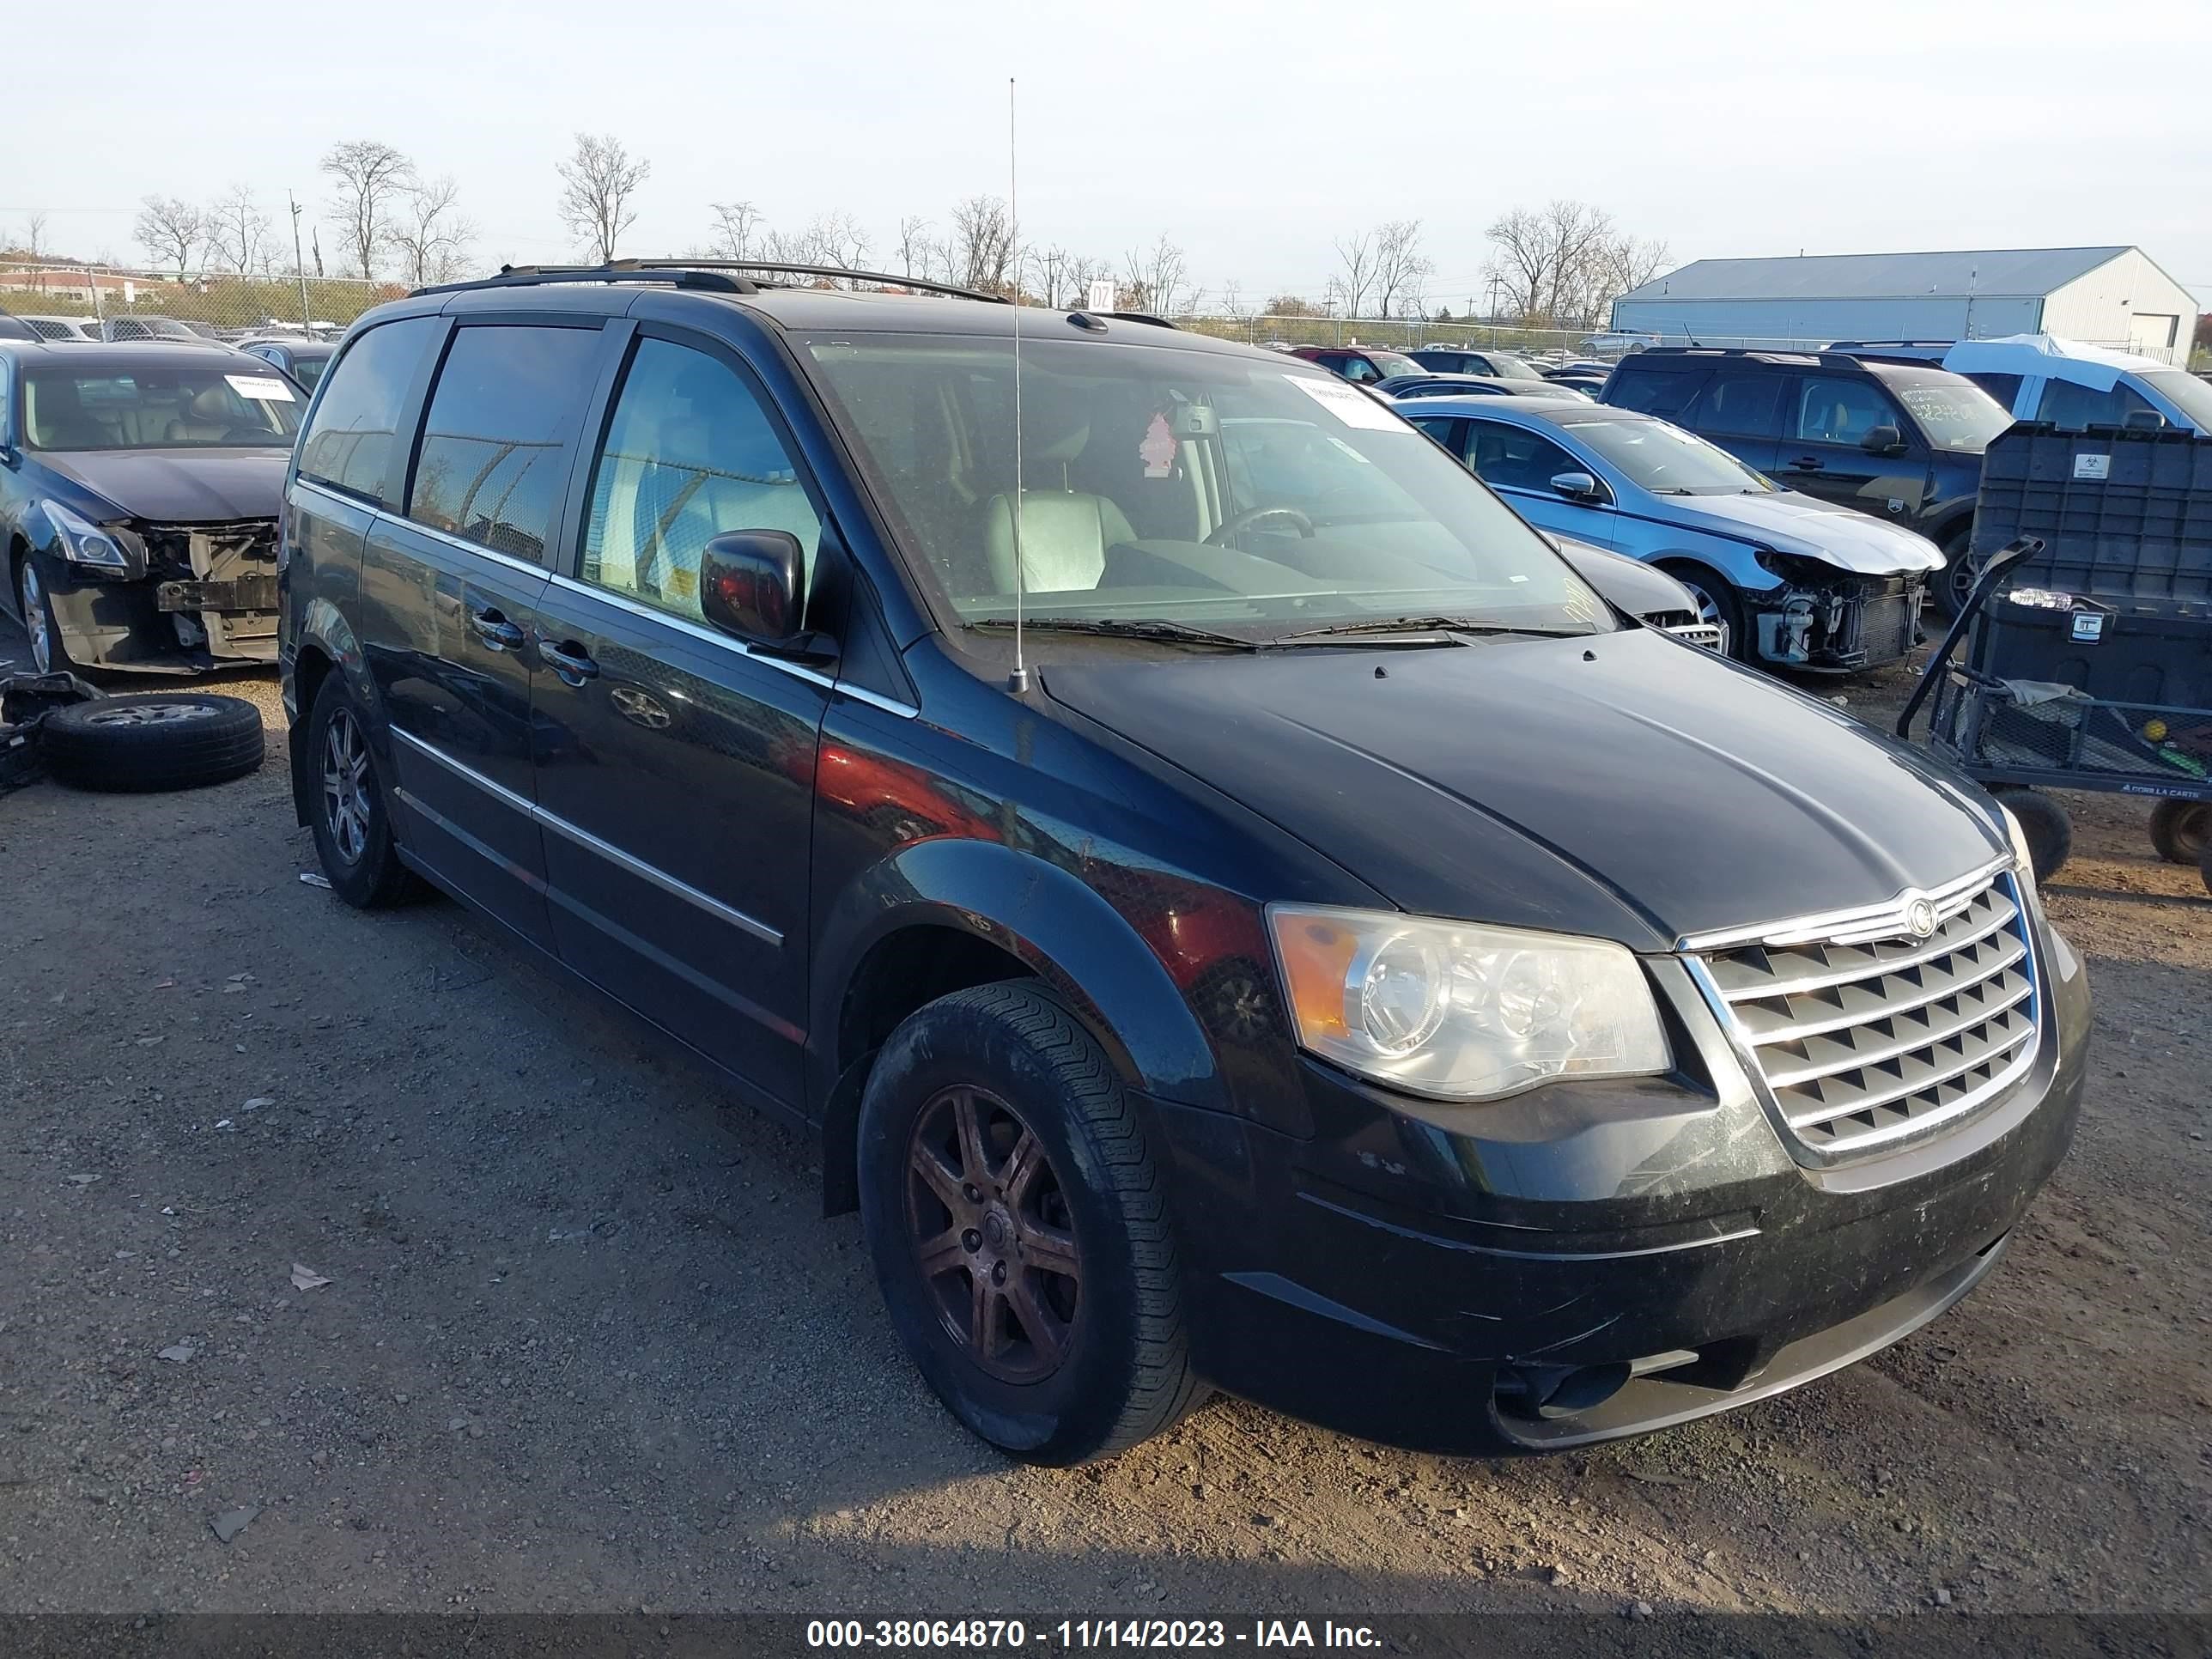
(2180, 829)
(351, 821)
(1019, 1230)
(2049, 832)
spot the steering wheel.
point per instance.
(1244, 521)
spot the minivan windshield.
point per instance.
(1667, 460)
(157, 408)
(1254, 497)
(2191, 395)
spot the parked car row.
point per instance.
(1238, 905)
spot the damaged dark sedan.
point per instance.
(139, 493)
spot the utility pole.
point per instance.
(300, 264)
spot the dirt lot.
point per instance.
(586, 1342)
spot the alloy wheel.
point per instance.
(346, 786)
(993, 1235)
(35, 620)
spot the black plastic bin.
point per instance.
(2088, 656)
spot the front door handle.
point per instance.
(570, 661)
(1805, 464)
(495, 630)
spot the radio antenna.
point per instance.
(1018, 681)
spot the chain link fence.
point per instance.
(129, 303)
(1411, 333)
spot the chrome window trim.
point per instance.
(713, 636)
(337, 497)
(1890, 914)
(584, 838)
(462, 544)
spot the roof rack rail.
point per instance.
(1153, 317)
(712, 276)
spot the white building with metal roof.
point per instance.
(2111, 296)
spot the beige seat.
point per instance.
(1065, 532)
(211, 418)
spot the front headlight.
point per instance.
(1461, 1011)
(2022, 856)
(83, 542)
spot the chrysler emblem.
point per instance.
(1920, 917)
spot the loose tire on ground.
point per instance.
(1100, 1278)
(2049, 832)
(170, 740)
(2181, 829)
(348, 813)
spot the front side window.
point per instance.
(1260, 498)
(495, 438)
(1507, 367)
(2066, 404)
(1513, 458)
(2191, 395)
(1831, 410)
(157, 408)
(348, 442)
(689, 455)
(1667, 460)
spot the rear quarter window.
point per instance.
(1651, 389)
(348, 445)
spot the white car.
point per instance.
(64, 328)
(2041, 377)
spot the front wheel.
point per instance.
(48, 655)
(1954, 585)
(1018, 1229)
(1719, 605)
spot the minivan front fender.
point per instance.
(323, 644)
(1047, 918)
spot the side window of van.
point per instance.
(2066, 404)
(494, 451)
(1664, 392)
(689, 454)
(348, 444)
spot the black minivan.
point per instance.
(1902, 441)
(1236, 908)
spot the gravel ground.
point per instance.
(586, 1342)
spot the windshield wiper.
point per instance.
(1128, 628)
(1425, 629)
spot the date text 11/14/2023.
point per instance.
(1073, 1634)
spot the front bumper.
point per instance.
(1421, 1284)
(1837, 624)
(163, 622)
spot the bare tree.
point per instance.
(171, 230)
(1628, 262)
(237, 230)
(915, 253)
(1291, 305)
(835, 238)
(430, 233)
(1401, 270)
(367, 179)
(737, 227)
(979, 251)
(34, 243)
(1550, 263)
(1351, 286)
(1155, 279)
(597, 183)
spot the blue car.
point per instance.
(1795, 582)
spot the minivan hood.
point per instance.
(1621, 785)
(1789, 522)
(180, 486)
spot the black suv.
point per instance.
(1235, 908)
(1900, 441)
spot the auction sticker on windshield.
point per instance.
(262, 388)
(1353, 407)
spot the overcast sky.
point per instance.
(1250, 134)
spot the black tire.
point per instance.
(1948, 589)
(2049, 832)
(353, 831)
(1719, 602)
(171, 740)
(2204, 866)
(1113, 1367)
(49, 655)
(2181, 829)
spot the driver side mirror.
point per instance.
(749, 588)
(1883, 440)
(1577, 487)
